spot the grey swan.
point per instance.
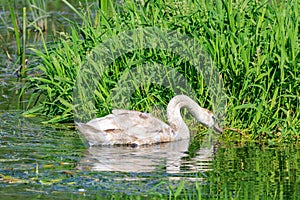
(130, 127)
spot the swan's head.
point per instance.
(216, 125)
(208, 119)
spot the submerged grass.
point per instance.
(254, 44)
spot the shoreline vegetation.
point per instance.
(254, 44)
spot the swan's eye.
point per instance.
(213, 117)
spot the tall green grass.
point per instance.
(23, 22)
(255, 45)
(21, 44)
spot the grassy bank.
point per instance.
(254, 44)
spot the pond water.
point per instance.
(43, 161)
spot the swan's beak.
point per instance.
(218, 129)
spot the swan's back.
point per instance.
(126, 127)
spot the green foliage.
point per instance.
(254, 44)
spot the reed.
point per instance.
(254, 44)
(106, 7)
(23, 56)
(15, 27)
(21, 44)
(39, 15)
(22, 23)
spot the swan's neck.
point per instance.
(174, 117)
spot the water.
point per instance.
(49, 160)
(52, 162)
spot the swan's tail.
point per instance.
(93, 136)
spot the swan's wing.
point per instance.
(145, 128)
(119, 119)
(128, 127)
(104, 123)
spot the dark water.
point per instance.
(39, 161)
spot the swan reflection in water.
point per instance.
(169, 157)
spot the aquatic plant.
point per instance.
(254, 44)
(22, 23)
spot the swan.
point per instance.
(137, 128)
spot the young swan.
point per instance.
(137, 128)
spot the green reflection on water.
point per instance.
(256, 172)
